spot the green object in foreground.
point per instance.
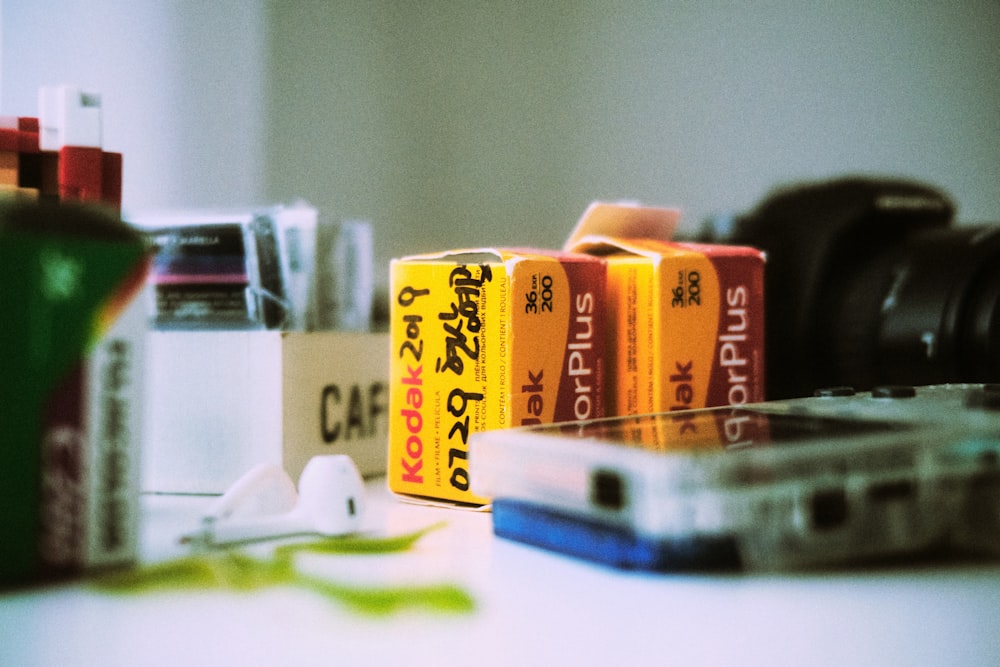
(66, 273)
(235, 570)
(358, 544)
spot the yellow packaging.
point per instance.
(686, 321)
(487, 339)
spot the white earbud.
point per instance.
(266, 488)
(330, 502)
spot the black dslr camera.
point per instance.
(868, 283)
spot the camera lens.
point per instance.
(869, 283)
(924, 311)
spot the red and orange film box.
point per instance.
(487, 339)
(686, 321)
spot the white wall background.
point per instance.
(182, 85)
(451, 123)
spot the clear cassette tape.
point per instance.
(215, 270)
(842, 477)
(277, 267)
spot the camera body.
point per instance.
(869, 283)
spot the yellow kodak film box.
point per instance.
(487, 339)
(685, 320)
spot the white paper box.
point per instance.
(221, 402)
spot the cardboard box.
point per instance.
(221, 402)
(487, 339)
(686, 321)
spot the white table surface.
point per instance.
(532, 607)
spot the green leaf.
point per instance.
(237, 571)
(359, 544)
(220, 570)
(373, 601)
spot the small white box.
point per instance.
(68, 116)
